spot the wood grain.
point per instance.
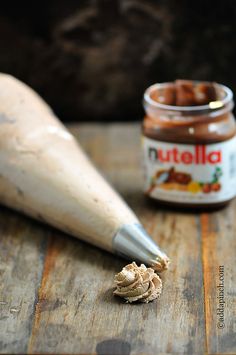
(219, 260)
(22, 247)
(66, 292)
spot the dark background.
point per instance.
(92, 60)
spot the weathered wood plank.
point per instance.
(219, 260)
(22, 244)
(67, 306)
(76, 311)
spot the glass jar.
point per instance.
(189, 152)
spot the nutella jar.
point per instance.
(189, 144)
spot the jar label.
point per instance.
(188, 173)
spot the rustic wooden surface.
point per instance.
(56, 292)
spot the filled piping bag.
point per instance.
(45, 174)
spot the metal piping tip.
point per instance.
(133, 242)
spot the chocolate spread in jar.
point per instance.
(189, 144)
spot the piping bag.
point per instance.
(44, 173)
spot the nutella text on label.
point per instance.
(200, 155)
(190, 173)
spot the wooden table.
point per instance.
(56, 291)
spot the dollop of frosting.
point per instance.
(137, 283)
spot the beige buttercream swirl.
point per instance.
(138, 283)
